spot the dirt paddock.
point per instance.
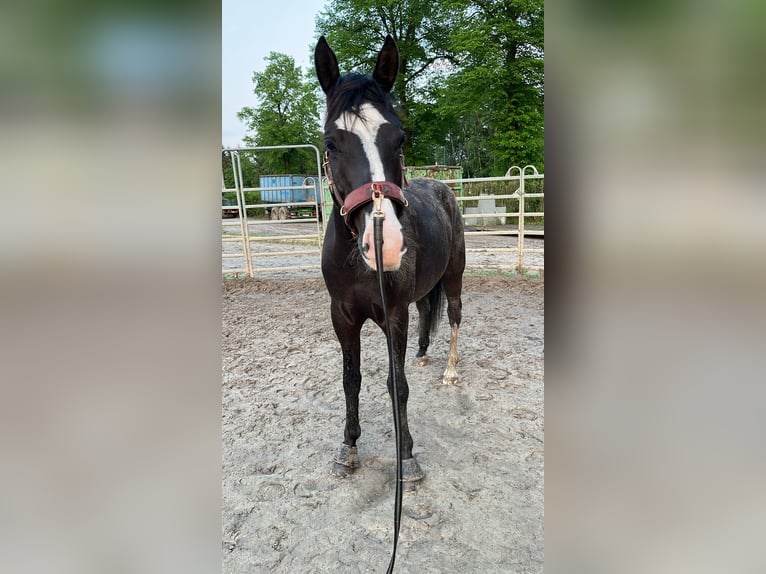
(479, 508)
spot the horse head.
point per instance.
(363, 150)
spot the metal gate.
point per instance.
(495, 210)
(485, 219)
(259, 239)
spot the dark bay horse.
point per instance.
(423, 255)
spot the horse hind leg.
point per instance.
(424, 328)
(450, 374)
(454, 313)
(430, 309)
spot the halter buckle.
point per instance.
(377, 200)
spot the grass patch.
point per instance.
(527, 274)
(233, 276)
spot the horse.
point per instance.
(423, 251)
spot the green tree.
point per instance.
(471, 74)
(356, 30)
(287, 113)
(496, 98)
(249, 170)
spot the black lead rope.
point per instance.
(377, 219)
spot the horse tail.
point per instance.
(435, 307)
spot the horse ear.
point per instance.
(326, 65)
(387, 65)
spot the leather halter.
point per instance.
(363, 194)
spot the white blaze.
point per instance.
(366, 127)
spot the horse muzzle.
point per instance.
(393, 248)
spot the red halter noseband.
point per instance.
(364, 194)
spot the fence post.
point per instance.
(520, 263)
(236, 166)
(241, 189)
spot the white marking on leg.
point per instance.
(450, 375)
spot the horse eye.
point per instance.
(330, 146)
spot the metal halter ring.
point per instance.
(377, 199)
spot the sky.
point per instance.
(250, 30)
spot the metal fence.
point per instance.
(499, 206)
(253, 241)
(496, 210)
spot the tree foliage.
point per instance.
(493, 103)
(287, 113)
(249, 170)
(471, 74)
(357, 28)
(469, 90)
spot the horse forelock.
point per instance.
(351, 91)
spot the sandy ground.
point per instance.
(480, 443)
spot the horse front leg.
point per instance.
(411, 471)
(347, 459)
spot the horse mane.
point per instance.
(351, 91)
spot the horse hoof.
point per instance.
(346, 461)
(450, 377)
(341, 471)
(410, 487)
(421, 361)
(411, 472)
